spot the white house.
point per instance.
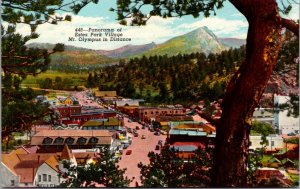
(8, 177)
(274, 142)
(264, 115)
(47, 174)
(284, 123)
(21, 168)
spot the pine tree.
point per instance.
(246, 86)
(90, 82)
(18, 108)
(104, 172)
(167, 169)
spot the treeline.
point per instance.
(176, 79)
(57, 84)
(75, 68)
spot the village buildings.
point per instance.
(40, 163)
(54, 140)
(25, 168)
(76, 114)
(284, 123)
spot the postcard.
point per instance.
(149, 93)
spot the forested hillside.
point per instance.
(180, 78)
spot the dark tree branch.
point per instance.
(290, 25)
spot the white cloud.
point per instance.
(157, 30)
(294, 14)
(219, 26)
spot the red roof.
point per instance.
(30, 149)
(66, 154)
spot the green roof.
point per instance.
(97, 123)
(283, 151)
(286, 160)
(274, 160)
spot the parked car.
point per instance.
(129, 130)
(157, 133)
(143, 137)
(128, 152)
(137, 128)
(157, 147)
(160, 142)
(135, 134)
(151, 129)
(134, 131)
(129, 121)
(143, 127)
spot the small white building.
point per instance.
(265, 115)
(22, 168)
(274, 142)
(284, 123)
(8, 177)
(47, 174)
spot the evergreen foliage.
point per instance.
(18, 108)
(181, 78)
(167, 169)
(104, 172)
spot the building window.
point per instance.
(40, 178)
(26, 184)
(69, 140)
(47, 140)
(44, 177)
(81, 140)
(12, 182)
(49, 178)
(58, 140)
(93, 140)
(272, 143)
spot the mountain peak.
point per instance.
(201, 39)
(202, 31)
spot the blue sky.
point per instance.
(227, 23)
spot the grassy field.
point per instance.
(78, 79)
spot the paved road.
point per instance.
(83, 100)
(140, 149)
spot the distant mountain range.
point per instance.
(199, 40)
(50, 46)
(127, 50)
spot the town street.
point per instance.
(140, 149)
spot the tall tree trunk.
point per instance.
(245, 90)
